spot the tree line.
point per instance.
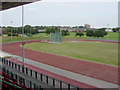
(97, 33)
(14, 31)
(54, 29)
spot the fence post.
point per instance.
(19, 67)
(36, 75)
(26, 70)
(30, 84)
(68, 86)
(34, 86)
(60, 85)
(22, 69)
(15, 66)
(47, 79)
(41, 76)
(31, 72)
(12, 65)
(53, 82)
(9, 63)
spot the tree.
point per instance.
(90, 33)
(116, 29)
(79, 34)
(103, 29)
(27, 29)
(81, 27)
(99, 33)
(33, 31)
(8, 29)
(51, 29)
(65, 32)
(105, 33)
(13, 34)
(39, 27)
(20, 30)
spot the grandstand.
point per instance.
(30, 77)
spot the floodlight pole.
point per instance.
(23, 35)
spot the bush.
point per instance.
(99, 33)
(13, 34)
(79, 34)
(90, 33)
(52, 29)
(105, 33)
(116, 29)
(65, 33)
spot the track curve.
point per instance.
(87, 68)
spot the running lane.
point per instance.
(91, 69)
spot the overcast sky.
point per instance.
(69, 13)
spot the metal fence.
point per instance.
(39, 76)
(22, 81)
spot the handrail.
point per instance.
(35, 74)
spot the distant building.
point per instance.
(108, 30)
(71, 29)
(91, 29)
(41, 30)
(87, 26)
(80, 29)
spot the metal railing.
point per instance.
(39, 76)
(22, 81)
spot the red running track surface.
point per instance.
(87, 68)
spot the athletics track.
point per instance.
(87, 68)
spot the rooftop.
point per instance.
(7, 4)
